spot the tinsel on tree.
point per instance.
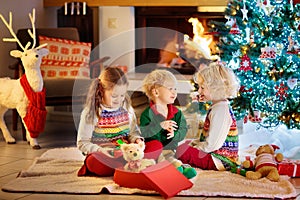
(260, 42)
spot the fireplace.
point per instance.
(160, 35)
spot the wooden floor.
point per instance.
(60, 132)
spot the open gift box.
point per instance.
(162, 177)
(289, 167)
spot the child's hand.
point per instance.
(201, 99)
(138, 140)
(170, 126)
(195, 96)
(170, 135)
(107, 151)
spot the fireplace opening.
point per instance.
(163, 33)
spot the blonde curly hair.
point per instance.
(220, 81)
(157, 78)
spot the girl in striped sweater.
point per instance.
(217, 148)
(106, 121)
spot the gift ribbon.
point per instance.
(293, 163)
(295, 170)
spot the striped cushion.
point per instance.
(66, 58)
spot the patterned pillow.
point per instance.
(66, 58)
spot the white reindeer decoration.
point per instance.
(12, 93)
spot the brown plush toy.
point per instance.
(265, 163)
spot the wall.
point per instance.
(116, 26)
(116, 35)
(44, 18)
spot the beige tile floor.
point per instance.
(14, 158)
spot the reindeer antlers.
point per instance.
(32, 34)
(9, 26)
(15, 38)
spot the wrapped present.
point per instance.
(289, 167)
(162, 177)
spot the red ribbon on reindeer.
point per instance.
(35, 118)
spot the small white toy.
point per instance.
(134, 155)
(13, 93)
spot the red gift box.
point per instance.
(289, 167)
(162, 177)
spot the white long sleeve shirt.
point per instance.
(220, 122)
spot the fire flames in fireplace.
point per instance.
(182, 39)
(192, 49)
(201, 42)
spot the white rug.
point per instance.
(56, 172)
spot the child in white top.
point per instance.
(217, 148)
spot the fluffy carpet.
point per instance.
(55, 172)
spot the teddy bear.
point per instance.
(134, 155)
(265, 163)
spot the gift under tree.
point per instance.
(260, 42)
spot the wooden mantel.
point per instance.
(96, 3)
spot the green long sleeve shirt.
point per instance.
(151, 130)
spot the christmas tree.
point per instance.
(260, 42)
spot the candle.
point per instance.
(66, 8)
(78, 8)
(84, 8)
(72, 8)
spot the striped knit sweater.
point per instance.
(229, 148)
(264, 159)
(111, 126)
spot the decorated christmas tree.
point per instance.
(260, 42)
